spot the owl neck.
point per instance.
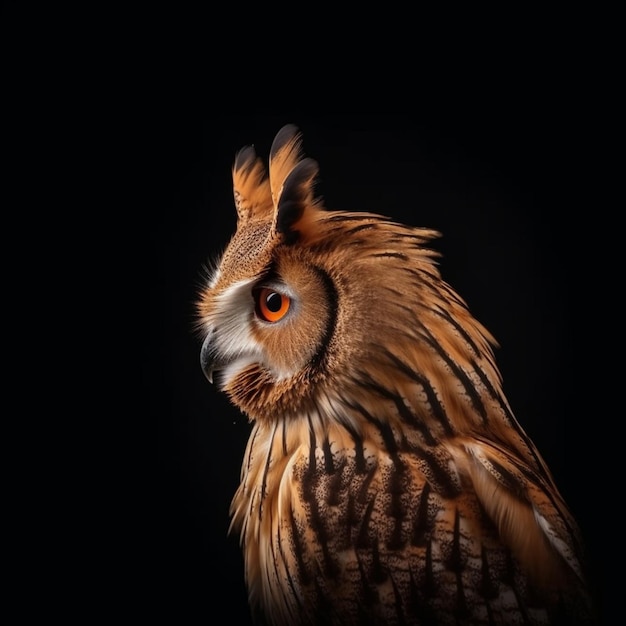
(401, 408)
(376, 419)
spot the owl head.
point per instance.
(309, 308)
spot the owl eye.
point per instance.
(271, 305)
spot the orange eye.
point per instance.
(271, 305)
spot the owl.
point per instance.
(386, 479)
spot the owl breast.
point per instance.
(346, 528)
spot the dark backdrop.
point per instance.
(498, 179)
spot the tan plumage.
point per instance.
(386, 480)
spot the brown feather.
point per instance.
(386, 479)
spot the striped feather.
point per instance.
(386, 479)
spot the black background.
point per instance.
(499, 179)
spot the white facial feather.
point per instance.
(215, 276)
(230, 325)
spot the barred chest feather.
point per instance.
(340, 527)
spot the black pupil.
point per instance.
(274, 302)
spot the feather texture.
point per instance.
(386, 479)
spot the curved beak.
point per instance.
(208, 361)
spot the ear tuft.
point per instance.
(295, 197)
(284, 154)
(291, 179)
(251, 187)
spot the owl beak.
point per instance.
(208, 360)
(213, 359)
